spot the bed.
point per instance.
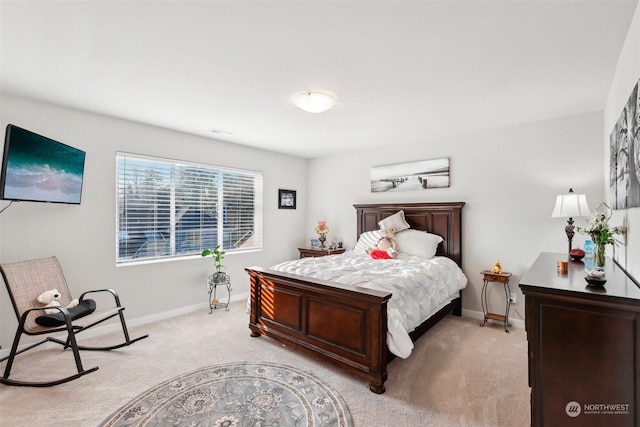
(347, 324)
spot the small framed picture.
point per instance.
(286, 199)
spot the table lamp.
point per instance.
(322, 231)
(570, 205)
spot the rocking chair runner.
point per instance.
(25, 280)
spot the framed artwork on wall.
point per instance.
(420, 175)
(624, 159)
(286, 199)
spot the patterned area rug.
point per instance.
(237, 394)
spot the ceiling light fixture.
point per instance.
(314, 102)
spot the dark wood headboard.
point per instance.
(444, 219)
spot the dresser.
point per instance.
(583, 345)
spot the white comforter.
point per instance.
(420, 286)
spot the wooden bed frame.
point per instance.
(347, 325)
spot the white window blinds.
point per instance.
(168, 208)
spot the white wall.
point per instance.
(626, 77)
(83, 237)
(508, 177)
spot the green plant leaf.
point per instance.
(207, 252)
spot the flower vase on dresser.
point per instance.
(599, 255)
(601, 233)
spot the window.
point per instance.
(167, 208)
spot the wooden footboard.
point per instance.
(341, 324)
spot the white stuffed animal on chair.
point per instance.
(51, 298)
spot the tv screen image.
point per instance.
(38, 169)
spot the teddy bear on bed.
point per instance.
(387, 247)
(51, 298)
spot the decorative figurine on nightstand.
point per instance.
(497, 269)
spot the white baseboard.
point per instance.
(169, 314)
(140, 321)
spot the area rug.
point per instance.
(237, 395)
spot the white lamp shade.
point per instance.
(314, 102)
(571, 205)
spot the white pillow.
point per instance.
(395, 221)
(367, 240)
(418, 243)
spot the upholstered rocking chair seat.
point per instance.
(25, 280)
(83, 309)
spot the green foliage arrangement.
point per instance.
(218, 256)
(601, 232)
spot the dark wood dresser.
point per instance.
(584, 345)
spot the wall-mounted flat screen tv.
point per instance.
(38, 169)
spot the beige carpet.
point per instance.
(458, 375)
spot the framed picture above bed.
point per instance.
(286, 199)
(420, 175)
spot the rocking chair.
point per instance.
(25, 280)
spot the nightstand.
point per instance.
(311, 252)
(490, 277)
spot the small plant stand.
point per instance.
(213, 282)
(490, 277)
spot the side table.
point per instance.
(213, 282)
(316, 252)
(491, 277)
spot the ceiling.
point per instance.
(403, 71)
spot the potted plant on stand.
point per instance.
(218, 255)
